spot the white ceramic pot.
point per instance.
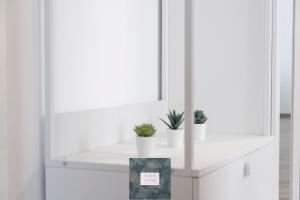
(200, 132)
(145, 146)
(175, 138)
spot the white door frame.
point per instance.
(275, 95)
(295, 144)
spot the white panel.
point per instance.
(223, 184)
(2, 74)
(83, 130)
(3, 130)
(182, 188)
(103, 53)
(234, 182)
(63, 184)
(176, 54)
(285, 52)
(261, 182)
(78, 184)
(231, 46)
(296, 108)
(3, 175)
(24, 136)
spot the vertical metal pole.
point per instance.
(295, 176)
(160, 47)
(275, 92)
(189, 144)
(164, 49)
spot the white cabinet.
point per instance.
(237, 169)
(230, 78)
(261, 182)
(249, 178)
(223, 184)
(83, 184)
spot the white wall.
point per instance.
(285, 52)
(2, 73)
(103, 53)
(25, 147)
(176, 54)
(3, 133)
(231, 60)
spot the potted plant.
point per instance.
(145, 139)
(175, 133)
(199, 125)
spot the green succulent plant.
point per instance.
(175, 120)
(200, 117)
(144, 130)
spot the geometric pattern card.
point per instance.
(149, 178)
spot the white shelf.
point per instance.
(215, 152)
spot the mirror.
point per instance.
(104, 53)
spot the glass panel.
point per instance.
(114, 66)
(231, 51)
(104, 53)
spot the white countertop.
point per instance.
(214, 153)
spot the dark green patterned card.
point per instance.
(149, 178)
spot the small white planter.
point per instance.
(145, 146)
(200, 132)
(175, 138)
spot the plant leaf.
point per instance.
(166, 123)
